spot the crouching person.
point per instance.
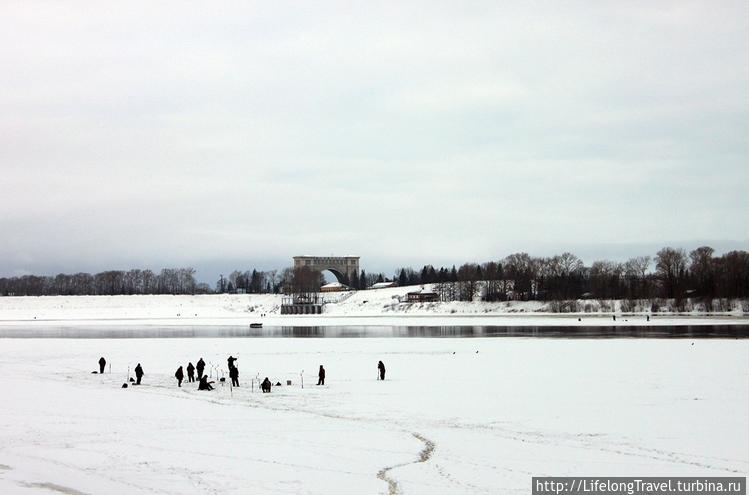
(265, 385)
(204, 384)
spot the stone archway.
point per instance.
(344, 268)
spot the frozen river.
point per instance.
(455, 415)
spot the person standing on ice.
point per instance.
(234, 375)
(201, 366)
(190, 372)
(321, 376)
(179, 375)
(138, 374)
(381, 367)
(102, 363)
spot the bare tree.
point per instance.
(522, 269)
(702, 269)
(670, 265)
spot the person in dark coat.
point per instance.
(200, 367)
(179, 375)
(321, 376)
(381, 367)
(234, 374)
(230, 362)
(138, 374)
(204, 383)
(102, 364)
(190, 372)
(265, 385)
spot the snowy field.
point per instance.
(370, 307)
(447, 420)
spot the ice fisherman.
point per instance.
(204, 383)
(138, 374)
(381, 367)
(321, 376)
(179, 375)
(102, 364)
(200, 367)
(190, 372)
(234, 374)
(265, 386)
(230, 362)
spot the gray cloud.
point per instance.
(183, 133)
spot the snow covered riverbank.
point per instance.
(447, 420)
(372, 307)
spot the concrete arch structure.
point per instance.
(343, 267)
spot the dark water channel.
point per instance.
(364, 331)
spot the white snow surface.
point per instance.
(370, 307)
(447, 419)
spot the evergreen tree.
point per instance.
(255, 282)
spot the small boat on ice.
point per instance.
(256, 325)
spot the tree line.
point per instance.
(672, 273)
(172, 281)
(250, 282)
(289, 280)
(107, 283)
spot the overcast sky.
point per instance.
(237, 134)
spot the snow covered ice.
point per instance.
(447, 419)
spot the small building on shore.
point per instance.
(334, 287)
(422, 296)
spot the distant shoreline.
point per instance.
(382, 307)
